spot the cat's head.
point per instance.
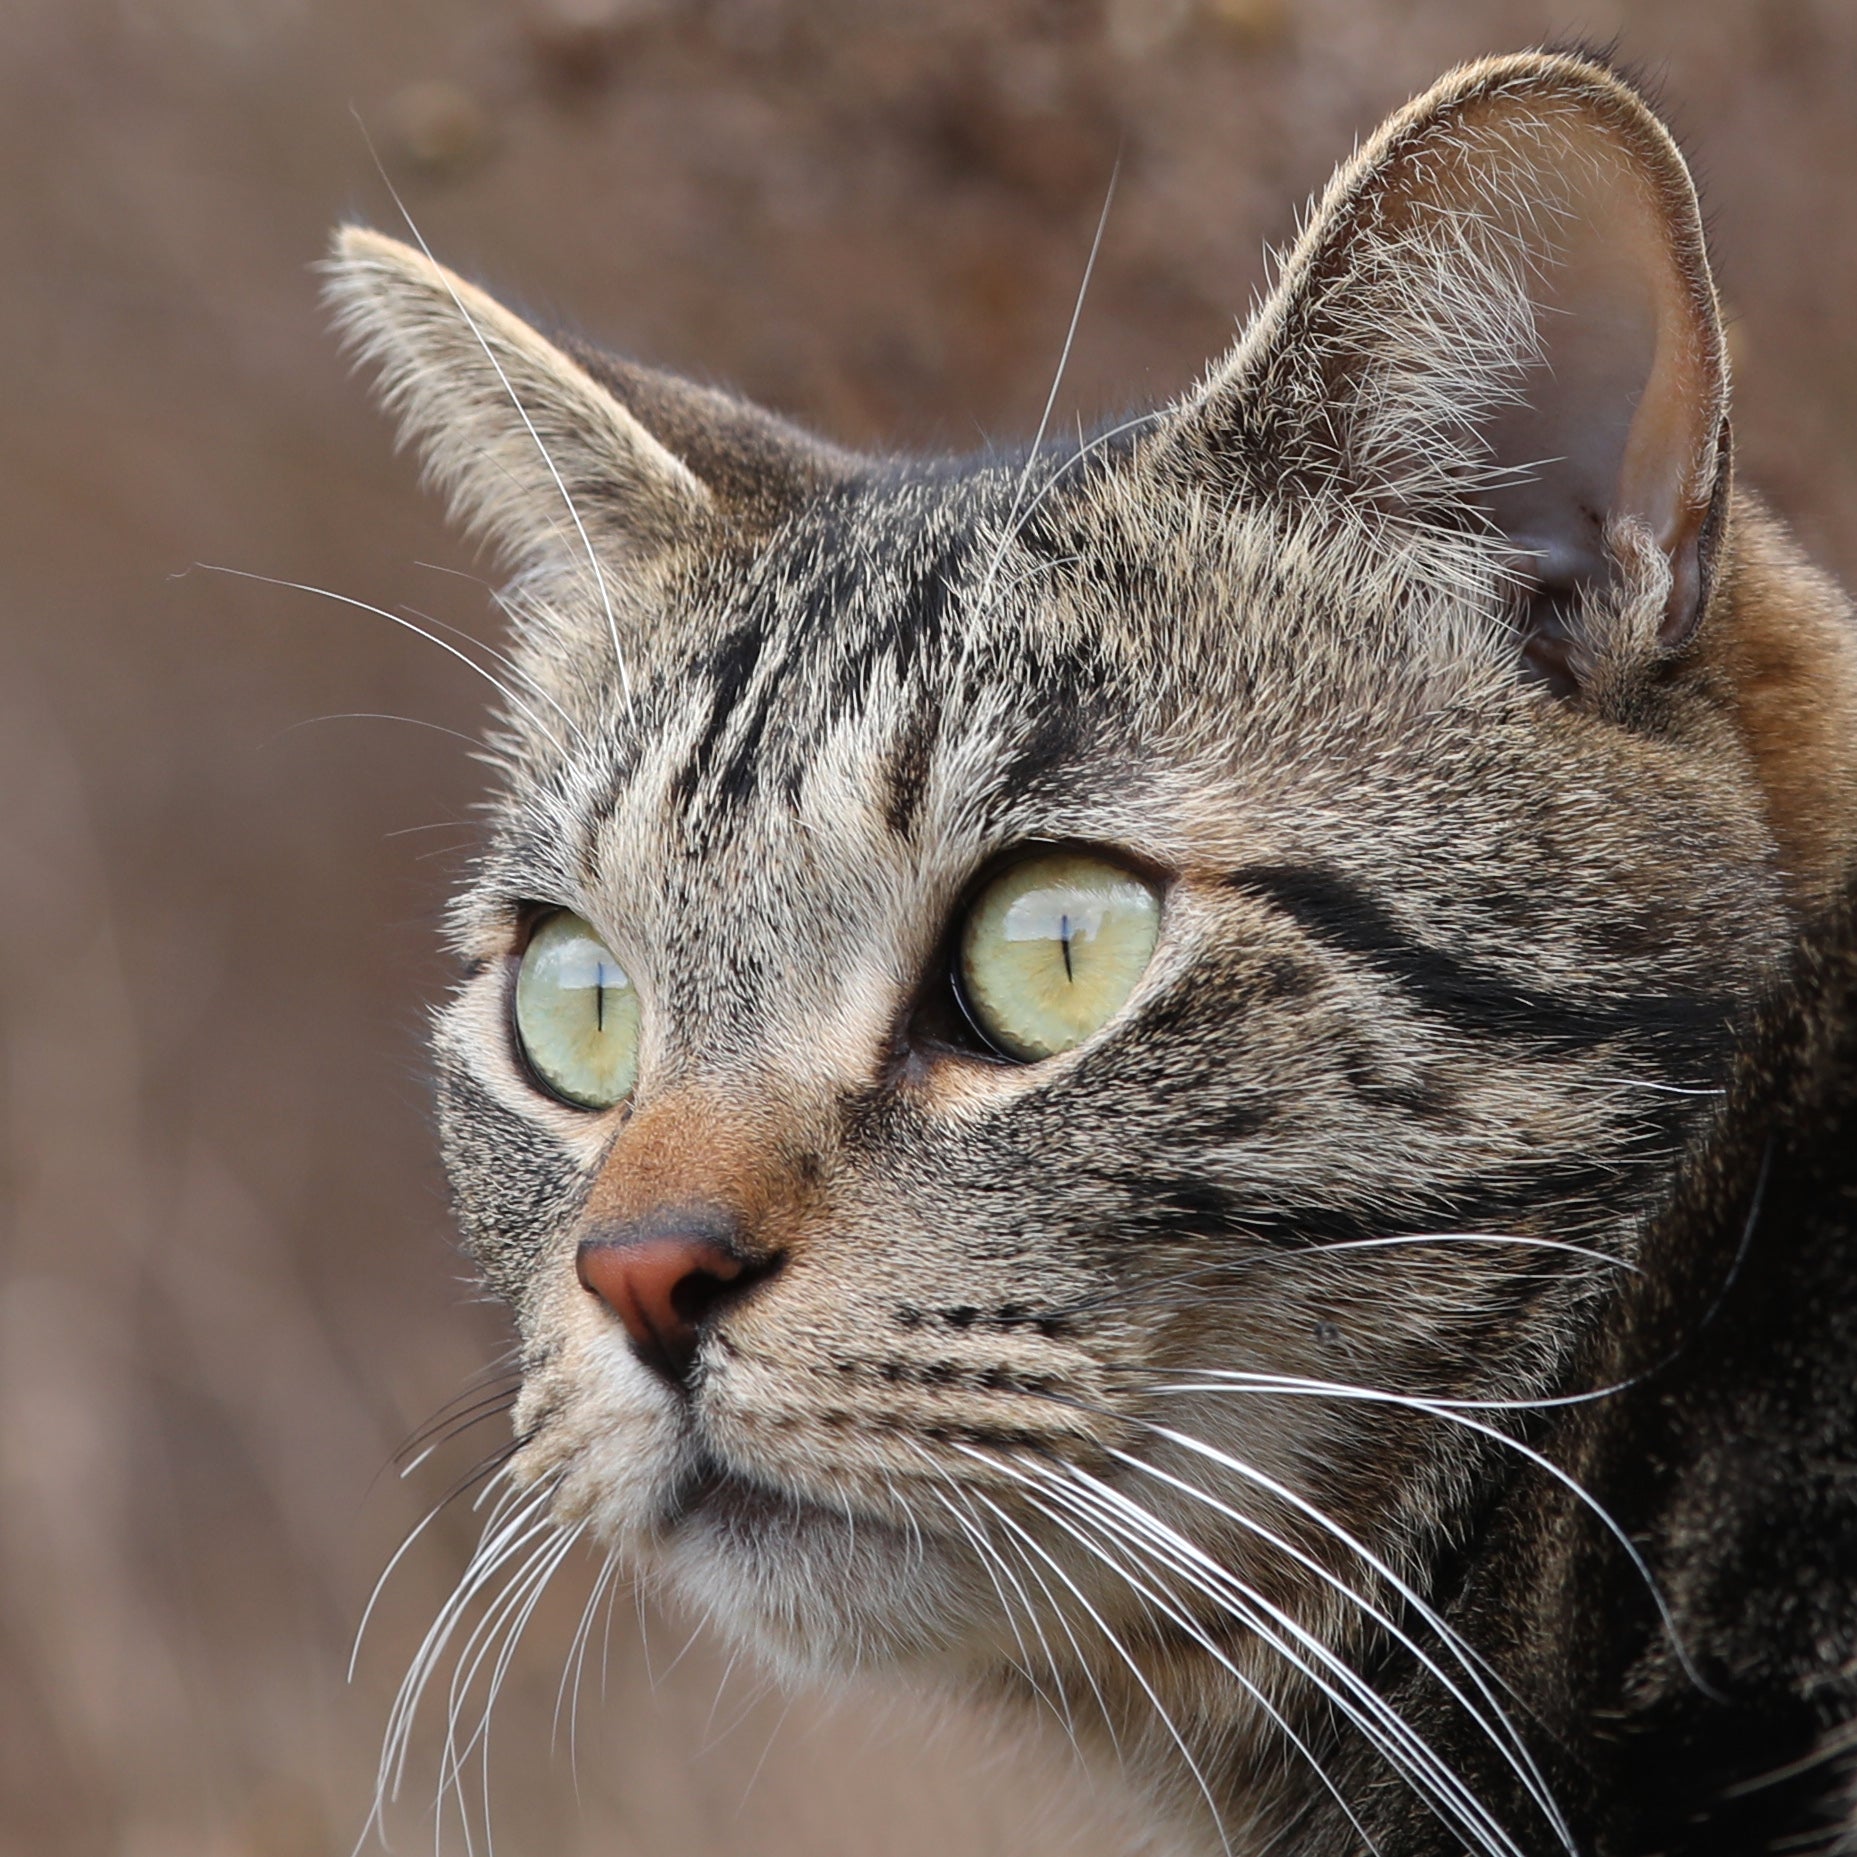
(997, 990)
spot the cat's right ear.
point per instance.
(550, 450)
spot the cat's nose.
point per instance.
(664, 1284)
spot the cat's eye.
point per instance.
(1051, 949)
(577, 1014)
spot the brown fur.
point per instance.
(1491, 762)
(705, 1148)
(1781, 638)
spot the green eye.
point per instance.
(1052, 947)
(577, 1014)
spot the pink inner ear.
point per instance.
(1623, 408)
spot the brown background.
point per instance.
(226, 1290)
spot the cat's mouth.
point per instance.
(749, 1512)
(817, 1584)
(710, 1488)
(743, 1517)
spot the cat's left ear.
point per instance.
(550, 449)
(1500, 321)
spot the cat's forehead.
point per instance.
(885, 637)
(925, 666)
(906, 576)
(1028, 605)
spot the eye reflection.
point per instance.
(1052, 948)
(577, 1014)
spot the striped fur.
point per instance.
(1476, 874)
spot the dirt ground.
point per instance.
(227, 1292)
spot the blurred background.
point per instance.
(227, 1287)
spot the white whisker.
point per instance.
(326, 593)
(1061, 1707)
(573, 1668)
(1251, 1688)
(773, 1735)
(399, 1554)
(376, 715)
(988, 1559)
(1057, 380)
(1134, 1669)
(1517, 1239)
(1456, 1412)
(689, 1644)
(1015, 529)
(1434, 1775)
(1230, 1379)
(507, 659)
(495, 1640)
(515, 1521)
(1132, 1545)
(1378, 1721)
(1508, 1742)
(508, 1531)
(1015, 1542)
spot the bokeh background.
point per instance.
(227, 1289)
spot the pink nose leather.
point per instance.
(661, 1289)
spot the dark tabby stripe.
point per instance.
(1685, 1029)
(1204, 1208)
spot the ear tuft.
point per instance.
(531, 451)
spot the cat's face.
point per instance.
(1456, 881)
(1417, 971)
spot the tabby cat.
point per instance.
(1204, 1078)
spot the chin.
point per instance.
(793, 1560)
(815, 1589)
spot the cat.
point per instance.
(1203, 1078)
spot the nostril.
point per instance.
(663, 1289)
(696, 1295)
